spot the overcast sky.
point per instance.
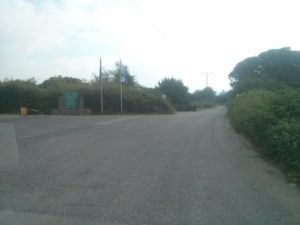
(155, 38)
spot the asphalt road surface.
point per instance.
(183, 169)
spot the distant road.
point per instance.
(183, 169)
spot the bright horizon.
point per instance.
(156, 39)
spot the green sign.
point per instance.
(71, 100)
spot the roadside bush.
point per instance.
(180, 107)
(206, 105)
(271, 119)
(283, 143)
(250, 114)
(43, 98)
(15, 94)
(286, 104)
(135, 100)
(144, 100)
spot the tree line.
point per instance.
(169, 95)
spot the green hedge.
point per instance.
(16, 93)
(271, 119)
(135, 100)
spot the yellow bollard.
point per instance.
(23, 111)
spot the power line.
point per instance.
(150, 18)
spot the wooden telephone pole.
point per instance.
(207, 75)
(101, 86)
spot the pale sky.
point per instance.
(155, 38)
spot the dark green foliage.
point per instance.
(266, 106)
(182, 100)
(251, 114)
(175, 90)
(282, 65)
(272, 69)
(257, 82)
(135, 100)
(205, 98)
(249, 67)
(15, 94)
(145, 101)
(44, 98)
(271, 119)
(115, 74)
(205, 95)
(185, 107)
(60, 82)
(286, 104)
(223, 98)
(283, 144)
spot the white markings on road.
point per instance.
(9, 151)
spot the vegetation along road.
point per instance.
(188, 168)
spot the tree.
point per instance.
(224, 97)
(106, 77)
(130, 81)
(174, 89)
(270, 70)
(283, 65)
(248, 68)
(205, 95)
(59, 81)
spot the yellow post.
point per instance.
(23, 111)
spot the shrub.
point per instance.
(250, 114)
(42, 99)
(271, 119)
(15, 94)
(283, 145)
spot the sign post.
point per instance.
(71, 100)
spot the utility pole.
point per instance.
(121, 90)
(101, 86)
(206, 74)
